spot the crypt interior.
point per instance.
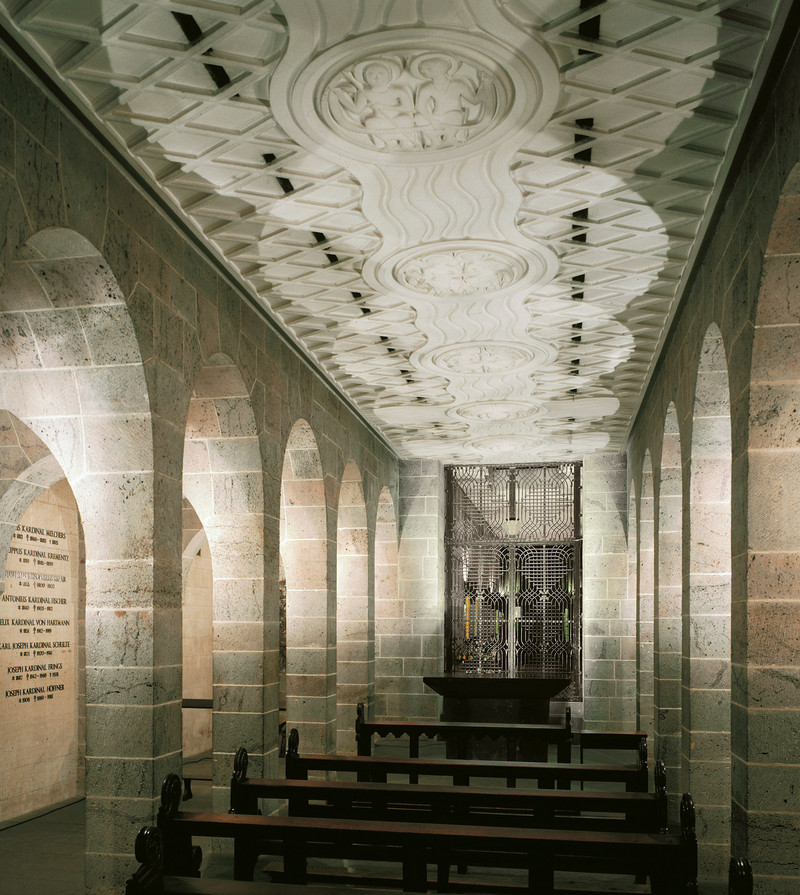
(273, 275)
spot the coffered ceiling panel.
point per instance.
(475, 216)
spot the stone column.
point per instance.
(416, 645)
(609, 615)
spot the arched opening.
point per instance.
(766, 570)
(645, 603)
(74, 375)
(388, 609)
(668, 607)
(222, 479)
(355, 619)
(706, 704)
(310, 620)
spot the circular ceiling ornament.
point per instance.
(411, 95)
(413, 101)
(507, 444)
(461, 271)
(488, 358)
(497, 411)
(463, 268)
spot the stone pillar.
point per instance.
(609, 615)
(416, 645)
(766, 580)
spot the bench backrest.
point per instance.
(461, 771)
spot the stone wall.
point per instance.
(115, 321)
(730, 365)
(609, 619)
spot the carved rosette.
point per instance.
(496, 412)
(487, 358)
(481, 268)
(412, 101)
(507, 444)
(406, 96)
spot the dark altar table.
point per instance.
(510, 700)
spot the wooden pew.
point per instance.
(149, 878)
(668, 859)
(555, 809)
(458, 734)
(459, 771)
(612, 741)
(740, 877)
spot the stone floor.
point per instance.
(44, 856)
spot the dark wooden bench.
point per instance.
(149, 878)
(459, 733)
(556, 809)
(612, 741)
(668, 859)
(740, 877)
(546, 775)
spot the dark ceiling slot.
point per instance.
(192, 32)
(420, 399)
(583, 155)
(573, 391)
(384, 338)
(582, 214)
(284, 182)
(391, 350)
(356, 294)
(589, 29)
(217, 74)
(578, 325)
(188, 24)
(577, 338)
(404, 372)
(320, 237)
(334, 259)
(366, 310)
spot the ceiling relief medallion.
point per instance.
(412, 102)
(497, 411)
(507, 444)
(487, 358)
(458, 272)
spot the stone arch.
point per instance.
(669, 605)
(388, 609)
(310, 618)
(222, 479)
(645, 602)
(355, 610)
(766, 659)
(706, 705)
(72, 371)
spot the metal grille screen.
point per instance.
(513, 546)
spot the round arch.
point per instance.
(355, 616)
(73, 373)
(223, 481)
(669, 604)
(706, 707)
(310, 617)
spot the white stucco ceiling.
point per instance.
(476, 216)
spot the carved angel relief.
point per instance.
(411, 103)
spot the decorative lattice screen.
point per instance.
(513, 551)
